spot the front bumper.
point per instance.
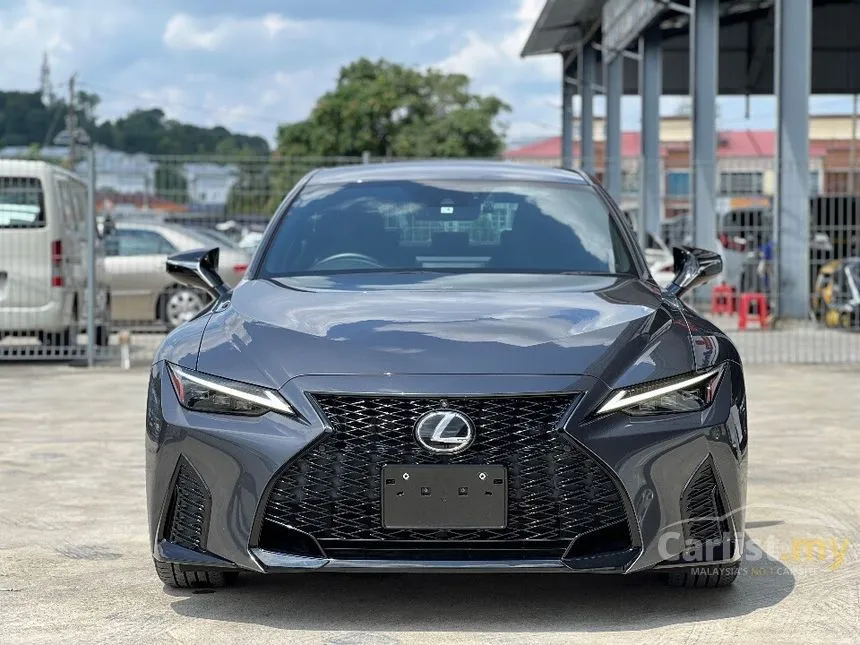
(237, 466)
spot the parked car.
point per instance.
(836, 298)
(450, 367)
(223, 240)
(43, 255)
(142, 291)
(661, 260)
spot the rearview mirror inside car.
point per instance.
(198, 268)
(693, 267)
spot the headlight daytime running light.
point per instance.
(207, 393)
(688, 393)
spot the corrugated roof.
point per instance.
(733, 144)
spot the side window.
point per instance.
(131, 242)
(653, 244)
(840, 285)
(66, 205)
(79, 195)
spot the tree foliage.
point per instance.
(388, 109)
(171, 183)
(252, 191)
(25, 121)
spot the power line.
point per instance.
(72, 122)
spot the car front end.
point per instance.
(445, 419)
(562, 470)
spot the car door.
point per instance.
(135, 263)
(836, 300)
(73, 207)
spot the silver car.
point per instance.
(141, 290)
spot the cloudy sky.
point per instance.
(251, 65)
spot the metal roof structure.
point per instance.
(746, 44)
(703, 49)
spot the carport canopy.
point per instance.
(746, 43)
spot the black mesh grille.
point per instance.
(190, 509)
(556, 491)
(705, 516)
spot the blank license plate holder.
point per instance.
(442, 496)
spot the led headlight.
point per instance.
(207, 393)
(687, 393)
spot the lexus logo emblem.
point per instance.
(445, 431)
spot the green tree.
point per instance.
(252, 191)
(388, 109)
(171, 183)
(25, 120)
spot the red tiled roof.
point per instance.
(733, 144)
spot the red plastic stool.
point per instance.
(760, 301)
(723, 299)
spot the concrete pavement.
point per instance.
(75, 566)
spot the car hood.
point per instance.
(274, 330)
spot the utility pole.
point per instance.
(852, 159)
(72, 122)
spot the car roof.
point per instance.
(34, 168)
(446, 170)
(153, 226)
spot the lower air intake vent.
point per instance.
(189, 512)
(703, 507)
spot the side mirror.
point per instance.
(693, 267)
(198, 268)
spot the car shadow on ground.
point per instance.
(518, 602)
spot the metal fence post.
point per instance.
(91, 256)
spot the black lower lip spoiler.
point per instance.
(274, 562)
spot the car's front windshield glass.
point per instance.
(451, 226)
(210, 237)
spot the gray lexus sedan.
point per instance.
(446, 366)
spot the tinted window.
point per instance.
(447, 226)
(130, 242)
(22, 203)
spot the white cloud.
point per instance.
(186, 32)
(486, 54)
(491, 58)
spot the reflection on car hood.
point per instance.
(449, 324)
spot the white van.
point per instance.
(43, 255)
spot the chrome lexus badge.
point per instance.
(445, 431)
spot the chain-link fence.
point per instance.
(147, 208)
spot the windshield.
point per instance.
(454, 226)
(209, 237)
(22, 204)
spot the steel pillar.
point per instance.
(650, 87)
(566, 117)
(792, 78)
(704, 42)
(587, 68)
(613, 80)
(92, 279)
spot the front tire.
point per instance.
(102, 335)
(704, 575)
(57, 343)
(175, 578)
(179, 305)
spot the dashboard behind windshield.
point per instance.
(453, 226)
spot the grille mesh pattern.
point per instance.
(190, 508)
(703, 506)
(556, 491)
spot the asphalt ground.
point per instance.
(75, 565)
